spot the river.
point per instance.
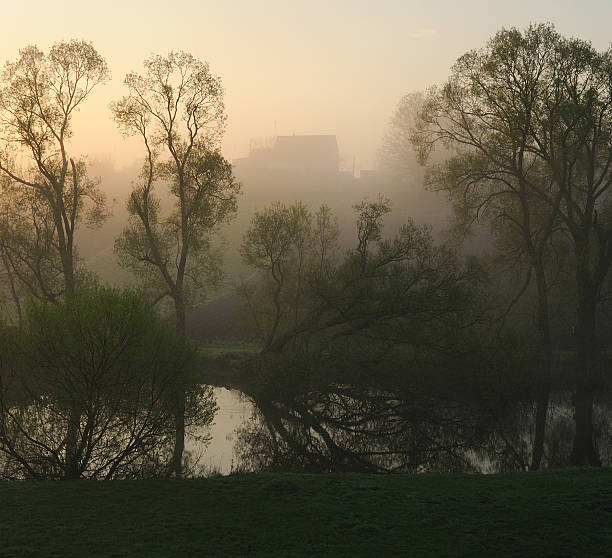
(319, 435)
(234, 410)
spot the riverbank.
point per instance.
(552, 513)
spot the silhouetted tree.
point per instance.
(403, 292)
(46, 192)
(294, 250)
(529, 117)
(490, 172)
(176, 108)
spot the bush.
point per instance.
(88, 388)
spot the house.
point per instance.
(313, 155)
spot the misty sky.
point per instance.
(304, 67)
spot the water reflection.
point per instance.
(342, 429)
(234, 411)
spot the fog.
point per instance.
(287, 67)
(263, 244)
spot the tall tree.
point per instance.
(529, 117)
(490, 169)
(46, 190)
(176, 108)
(575, 141)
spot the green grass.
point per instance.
(219, 349)
(556, 513)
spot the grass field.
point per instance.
(555, 513)
(219, 349)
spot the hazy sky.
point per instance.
(308, 67)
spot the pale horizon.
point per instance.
(308, 68)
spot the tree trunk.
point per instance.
(65, 249)
(179, 412)
(179, 436)
(540, 425)
(584, 451)
(71, 470)
(544, 367)
(69, 280)
(74, 418)
(8, 267)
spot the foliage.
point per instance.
(529, 119)
(295, 250)
(384, 292)
(393, 360)
(398, 154)
(101, 365)
(176, 108)
(46, 192)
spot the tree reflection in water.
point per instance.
(347, 430)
